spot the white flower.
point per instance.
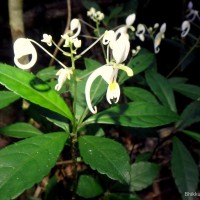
(109, 74)
(140, 32)
(91, 12)
(118, 42)
(99, 16)
(108, 37)
(23, 47)
(77, 43)
(130, 19)
(47, 39)
(160, 35)
(192, 13)
(63, 75)
(185, 27)
(75, 25)
(96, 16)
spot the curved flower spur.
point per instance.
(119, 44)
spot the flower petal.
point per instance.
(75, 24)
(185, 27)
(121, 48)
(106, 72)
(113, 92)
(130, 19)
(23, 47)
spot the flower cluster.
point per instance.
(24, 46)
(119, 44)
(191, 15)
(116, 43)
(96, 16)
(142, 29)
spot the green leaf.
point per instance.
(188, 90)
(138, 63)
(47, 73)
(135, 114)
(91, 64)
(192, 134)
(177, 80)
(143, 174)
(190, 115)
(106, 156)
(20, 130)
(184, 168)
(114, 13)
(33, 89)
(143, 157)
(161, 88)
(139, 94)
(88, 187)
(7, 97)
(25, 163)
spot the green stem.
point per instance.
(74, 137)
(98, 33)
(74, 164)
(184, 58)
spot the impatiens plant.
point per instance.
(68, 97)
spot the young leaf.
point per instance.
(188, 90)
(192, 134)
(143, 174)
(26, 162)
(138, 64)
(135, 114)
(33, 89)
(190, 115)
(7, 97)
(106, 156)
(139, 94)
(161, 88)
(184, 168)
(20, 130)
(88, 187)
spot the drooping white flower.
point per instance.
(109, 73)
(140, 32)
(160, 35)
(23, 47)
(185, 27)
(192, 13)
(63, 75)
(75, 25)
(47, 39)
